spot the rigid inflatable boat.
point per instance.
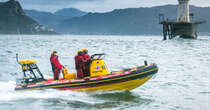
(100, 78)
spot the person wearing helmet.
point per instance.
(87, 63)
(85, 54)
(79, 64)
(56, 66)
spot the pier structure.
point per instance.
(182, 26)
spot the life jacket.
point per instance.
(79, 61)
(55, 62)
(86, 56)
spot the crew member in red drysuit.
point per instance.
(56, 66)
(87, 63)
(79, 64)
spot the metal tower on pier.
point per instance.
(183, 26)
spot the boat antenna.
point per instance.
(17, 58)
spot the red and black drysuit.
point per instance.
(79, 65)
(56, 66)
(86, 64)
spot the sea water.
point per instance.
(182, 83)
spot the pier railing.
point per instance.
(163, 20)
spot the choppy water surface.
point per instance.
(182, 83)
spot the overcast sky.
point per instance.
(100, 5)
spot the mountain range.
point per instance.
(130, 21)
(13, 20)
(52, 19)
